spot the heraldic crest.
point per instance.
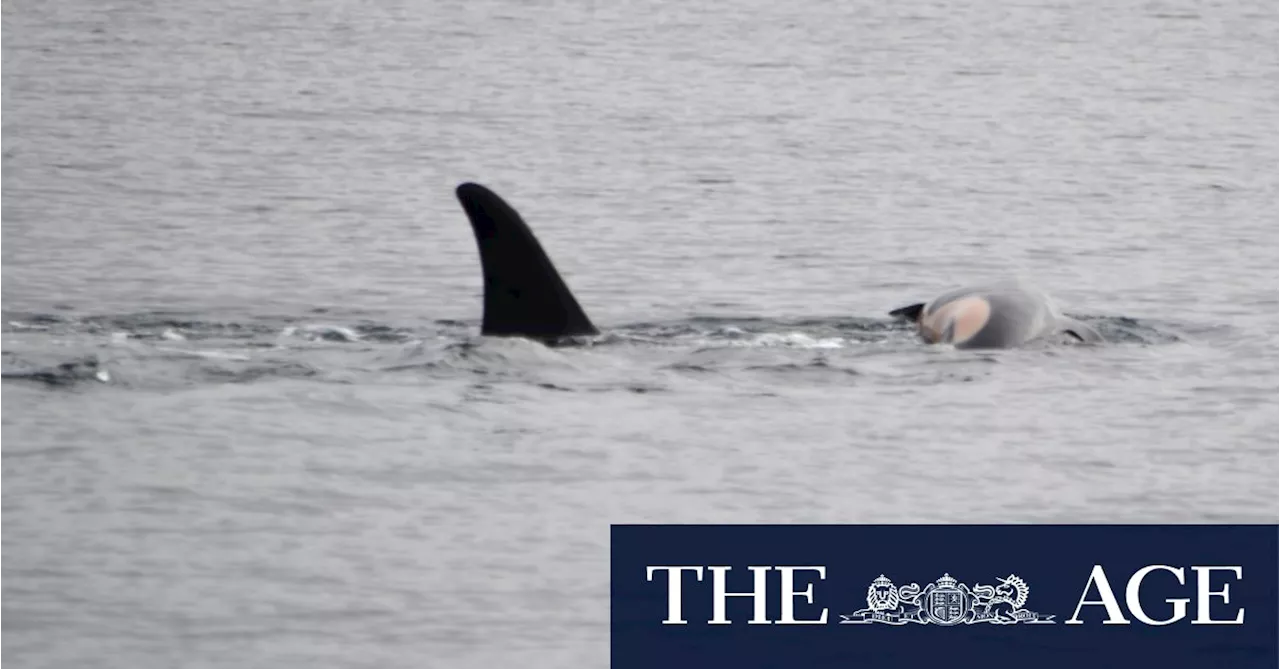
(946, 601)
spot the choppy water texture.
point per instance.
(249, 421)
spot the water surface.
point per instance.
(249, 419)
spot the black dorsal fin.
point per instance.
(524, 296)
(1082, 331)
(910, 312)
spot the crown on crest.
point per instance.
(946, 581)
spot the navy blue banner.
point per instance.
(945, 596)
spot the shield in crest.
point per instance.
(946, 606)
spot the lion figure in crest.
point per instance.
(884, 597)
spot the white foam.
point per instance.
(316, 331)
(779, 340)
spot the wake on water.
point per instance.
(525, 300)
(147, 349)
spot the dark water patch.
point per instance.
(143, 325)
(24, 321)
(818, 365)
(926, 377)
(506, 358)
(962, 357)
(47, 451)
(1126, 330)
(156, 323)
(255, 372)
(167, 492)
(552, 386)
(640, 389)
(383, 333)
(160, 325)
(690, 367)
(68, 373)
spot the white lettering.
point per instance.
(1203, 593)
(1133, 596)
(789, 594)
(720, 596)
(674, 599)
(1098, 578)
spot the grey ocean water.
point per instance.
(248, 418)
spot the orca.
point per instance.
(1002, 314)
(524, 295)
